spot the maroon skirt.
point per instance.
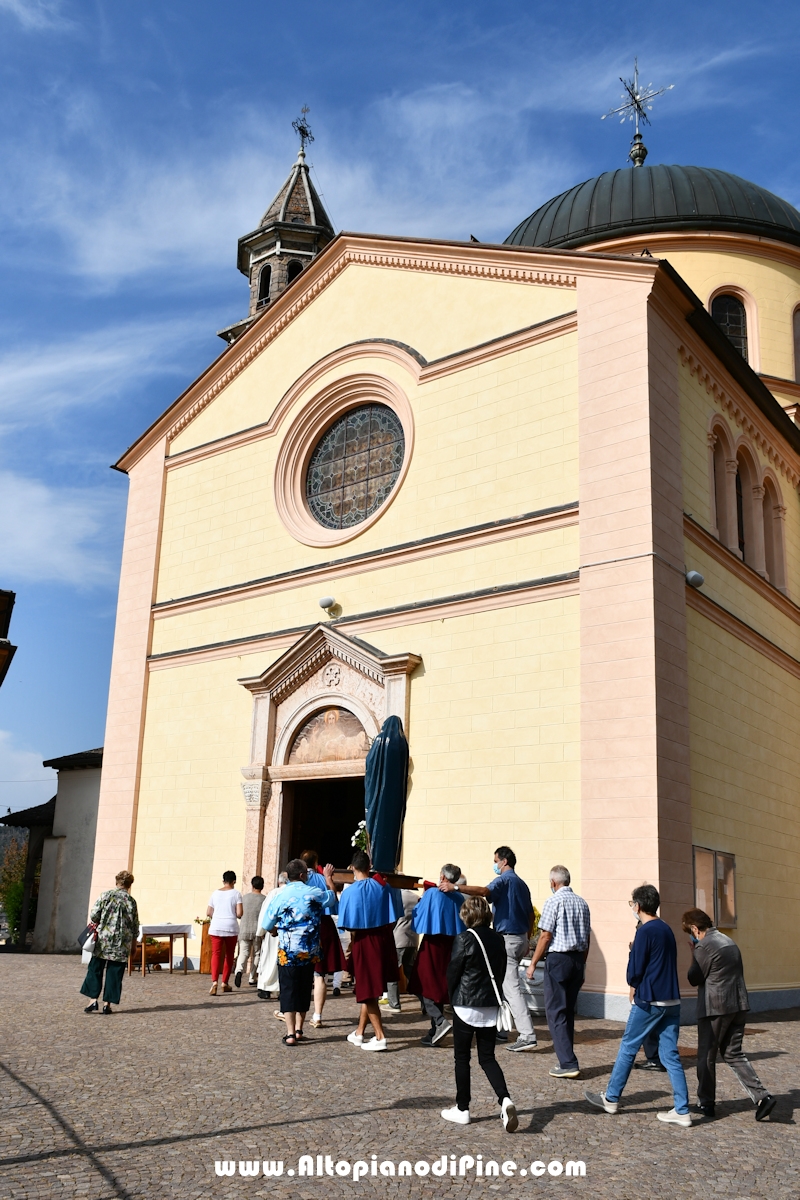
(373, 961)
(429, 977)
(331, 956)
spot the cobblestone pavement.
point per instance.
(143, 1103)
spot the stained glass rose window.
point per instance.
(354, 466)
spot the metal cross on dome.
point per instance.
(302, 128)
(637, 103)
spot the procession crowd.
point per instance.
(465, 953)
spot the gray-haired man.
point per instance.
(564, 932)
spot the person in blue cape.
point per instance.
(437, 918)
(331, 958)
(369, 909)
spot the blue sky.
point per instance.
(140, 139)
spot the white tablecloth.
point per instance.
(165, 930)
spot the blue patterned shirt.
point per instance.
(566, 916)
(296, 912)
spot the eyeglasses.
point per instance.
(632, 904)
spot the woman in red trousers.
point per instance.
(225, 909)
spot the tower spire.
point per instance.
(637, 102)
(291, 233)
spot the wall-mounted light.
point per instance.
(694, 579)
(329, 604)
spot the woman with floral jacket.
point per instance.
(117, 919)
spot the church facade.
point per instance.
(477, 486)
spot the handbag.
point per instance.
(88, 941)
(90, 929)
(505, 1019)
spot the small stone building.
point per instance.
(67, 854)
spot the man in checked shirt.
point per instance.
(564, 932)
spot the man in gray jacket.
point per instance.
(722, 1005)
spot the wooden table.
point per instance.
(163, 931)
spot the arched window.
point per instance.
(264, 280)
(773, 535)
(724, 533)
(728, 312)
(293, 270)
(749, 511)
(740, 511)
(796, 332)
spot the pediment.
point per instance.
(314, 650)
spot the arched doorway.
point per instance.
(322, 812)
(315, 712)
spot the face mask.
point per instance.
(497, 869)
(635, 912)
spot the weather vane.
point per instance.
(637, 104)
(302, 128)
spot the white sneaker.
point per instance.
(508, 1115)
(355, 1038)
(374, 1044)
(598, 1099)
(675, 1118)
(459, 1116)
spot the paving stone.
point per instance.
(143, 1103)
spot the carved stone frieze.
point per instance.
(766, 444)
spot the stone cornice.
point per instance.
(374, 560)
(739, 629)
(405, 356)
(705, 541)
(485, 600)
(789, 387)
(735, 402)
(727, 243)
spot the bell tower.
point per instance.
(293, 230)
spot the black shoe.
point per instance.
(237, 979)
(765, 1107)
(427, 1040)
(337, 991)
(93, 1007)
(707, 1110)
(107, 1009)
(650, 1064)
(501, 1037)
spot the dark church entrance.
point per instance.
(325, 814)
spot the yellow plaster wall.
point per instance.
(745, 770)
(494, 743)
(435, 314)
(538, 555)
(745, 764)
(775, 287)
(493, 441)
(190, 824)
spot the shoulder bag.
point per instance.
(505, 1020)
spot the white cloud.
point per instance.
(21, 765)
(53, 534)
(42, 381)
(444, 160)
(35, 14)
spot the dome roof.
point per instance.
(657, 199)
